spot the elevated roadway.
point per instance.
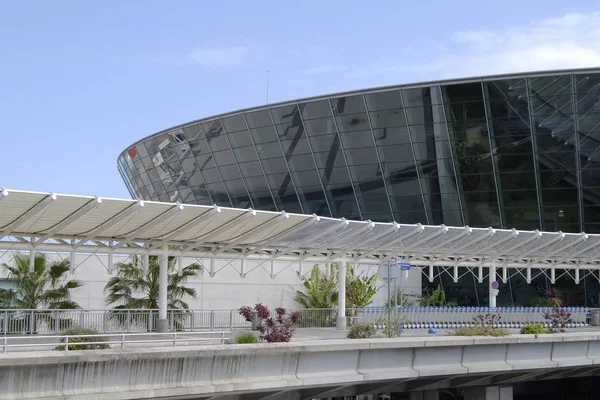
(301, 370)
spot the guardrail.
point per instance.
(131, 321)
(123, 340)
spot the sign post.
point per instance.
(404, 266)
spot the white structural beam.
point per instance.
(18, 222)
(163, 274)
(86, 208)
(288, 256)
(116, 228)
(110, 222)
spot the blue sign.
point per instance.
(404, 266)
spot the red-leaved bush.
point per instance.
(559, 319)
(273, 328)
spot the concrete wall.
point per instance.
(226, 290)
(368, 366)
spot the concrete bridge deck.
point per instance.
(298, 370)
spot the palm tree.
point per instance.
(47, 286)
(135, 289)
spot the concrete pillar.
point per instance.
(341, 320)
(492, 292)
(489, 393)
(163, 273)
(424, 395)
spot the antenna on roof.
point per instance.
(267, 86)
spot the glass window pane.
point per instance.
(268, 150)
(224, 157)
(330, 159)
(360, 139)
(275, 165)
(256, 184)
(211, 175)
(316, 109)
(321, 126)
(389, 100)
(348, 105)
(264, 135)
(352, 122)
(301, 162)
(240, 139)
(229, 172)
(285, 114)
(244, 154)
(258, 119)
(252, 168)
(212, 129)
(324, 142)
(191, 132)
(297, 146)
(234, 123)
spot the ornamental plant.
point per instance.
(558, 319)
(487, 320)
(276, 328)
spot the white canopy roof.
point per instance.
(55, 222)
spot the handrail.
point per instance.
(66, 341)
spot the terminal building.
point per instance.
(515, 151)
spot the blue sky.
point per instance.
(81, 80)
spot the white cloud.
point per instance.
(221, 57)
(571, 41)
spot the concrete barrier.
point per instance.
(205, 371)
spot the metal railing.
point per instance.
(123, 340)
(43, 322)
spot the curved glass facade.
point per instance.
(519, 151)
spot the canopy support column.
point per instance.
(493, 292)
(162, 324)
(341, 319)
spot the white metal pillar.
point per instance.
(341, 320)
(163, 273)
(492, 292)
(31, 261)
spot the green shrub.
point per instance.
(479, 330)
(244, 338)
(82, 343)
(361, 331)
(532, 329)
(394, 326)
